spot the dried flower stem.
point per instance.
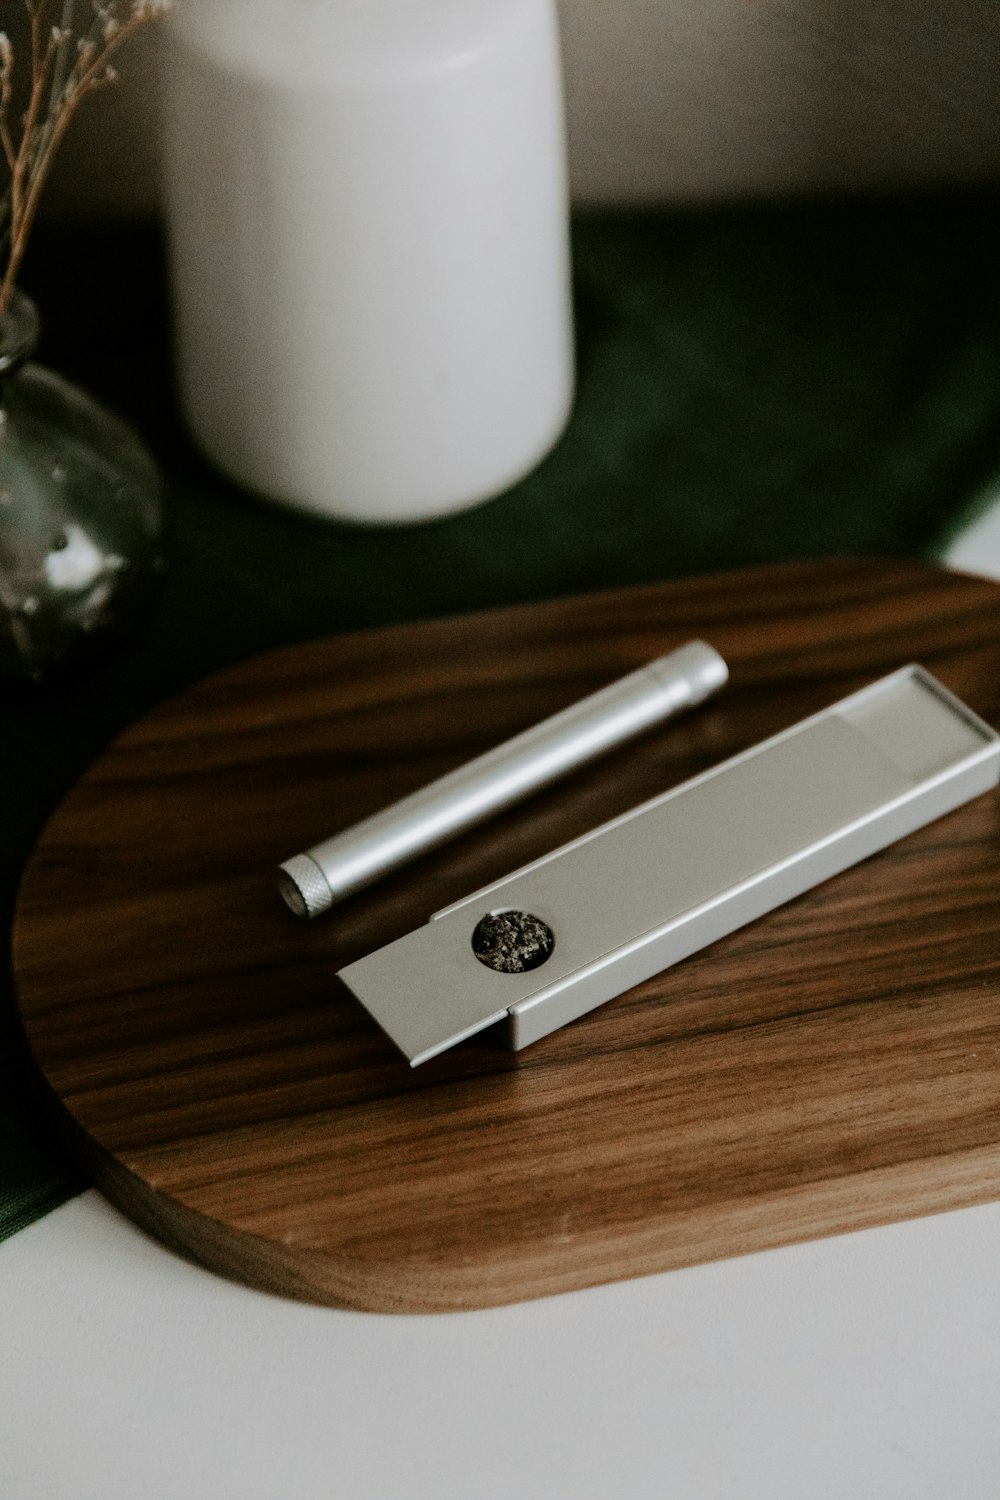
(69, 59)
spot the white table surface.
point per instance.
(864, 1367)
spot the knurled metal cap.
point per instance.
(304, 887)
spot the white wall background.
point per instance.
(673, 99)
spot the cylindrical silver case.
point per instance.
(314, 881)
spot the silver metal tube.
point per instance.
(312, 882)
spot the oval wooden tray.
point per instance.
(832, 1066)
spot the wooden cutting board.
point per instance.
(836, 1064)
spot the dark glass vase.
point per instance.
(79, 513)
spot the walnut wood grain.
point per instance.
(832, 1066)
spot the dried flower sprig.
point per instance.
(71, 45)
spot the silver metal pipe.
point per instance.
(549, 942)
(312, 882)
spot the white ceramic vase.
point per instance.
(368, 219)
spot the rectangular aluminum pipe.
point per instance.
(609, 910)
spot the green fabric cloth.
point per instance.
(756, 383)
